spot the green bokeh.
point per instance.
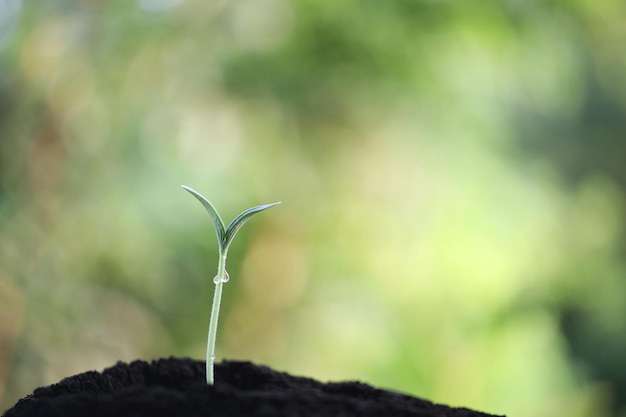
(452, 176)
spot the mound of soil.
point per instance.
(177, 387)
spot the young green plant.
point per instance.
(225, 237)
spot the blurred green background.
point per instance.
(452, 174)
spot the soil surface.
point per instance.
(177, 387)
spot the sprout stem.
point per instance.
(217, 298)
(225, 237)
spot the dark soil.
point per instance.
(177, 387)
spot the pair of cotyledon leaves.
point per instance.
(225, 235)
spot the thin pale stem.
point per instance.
(215, 310)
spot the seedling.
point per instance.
(225, 237)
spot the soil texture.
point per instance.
(177, 387)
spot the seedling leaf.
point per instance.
(240, 220)
(217, 220)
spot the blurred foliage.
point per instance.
(452, 174)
